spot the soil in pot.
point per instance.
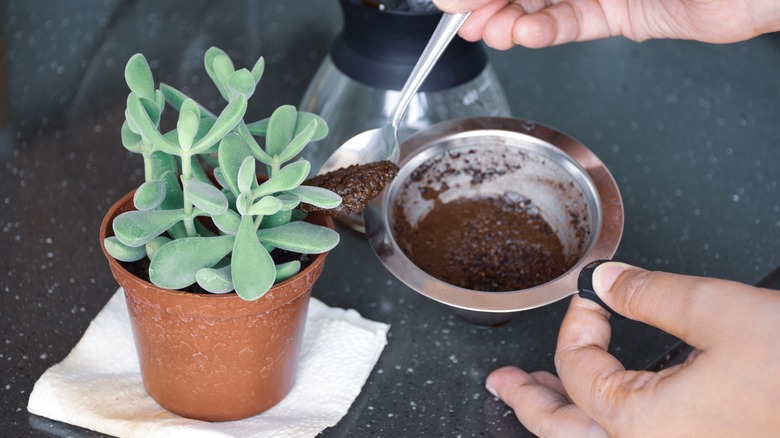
(491, 244)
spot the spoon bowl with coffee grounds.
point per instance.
(381, 143)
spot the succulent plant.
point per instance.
(249, 217)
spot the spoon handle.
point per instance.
(446, 29)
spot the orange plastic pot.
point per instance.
(216, 357)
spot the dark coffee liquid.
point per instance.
(489, 244)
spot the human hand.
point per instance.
(729, 386)
(540, 23)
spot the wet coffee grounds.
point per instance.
(357, 185)
(491, 244)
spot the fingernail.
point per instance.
(605, 275)
(491, 390)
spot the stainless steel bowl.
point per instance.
(572, 188)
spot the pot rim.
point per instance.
(603, 245)
(215, 305)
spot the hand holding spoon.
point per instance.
(381, 144)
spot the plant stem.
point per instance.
(186, 174)
(148, 168)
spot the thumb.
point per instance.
(691, 308)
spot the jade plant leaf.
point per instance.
(258, 69)
(287, 270)
(215, 280)
(226, 121)
(137, 114)
(297, 144)
(276, 219)
(122, 252)
(130, 140)
(287, 178)
(260, 128)
(218, 67)
(135, 228)
(205, 197)
(154, 245)
(288, 201)
(246, 175)
(227, 222)
(232, 152)
(253, 146)
(281, 129)
(253, 269)
(176, 263)
(301, 237)
(165, 168)
(241, 82)
(316, 196)
(243, 201)
(188, 124)
(138, 76)
(149, 195)
(267, 205)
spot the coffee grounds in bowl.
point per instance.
(491, 244)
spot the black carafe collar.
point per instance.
(380, 47)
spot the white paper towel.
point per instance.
(98, 385)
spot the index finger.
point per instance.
(581, 358)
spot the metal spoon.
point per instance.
(380, 144)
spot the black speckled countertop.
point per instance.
(690, 131)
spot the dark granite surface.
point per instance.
(690, 131)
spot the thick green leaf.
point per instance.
(253, 146)
(154, 111)
(243, 202)
(135, 228)
(301, 237)
(281, 129)
(316, 196)
(253, 269)
(154, 245)
(188, 124)
(122, 252)
(246, 175)
(287, 270)
(176, 99)
(288, 201)
(298, 143)
(227, 222)
(215, 280)
(260, 128)
(241, 82)
(218, 71)
(149, 195)
(258, 69)
(226, 121)
(277, 219)
(175, 264)
(140, 118)
(130, 140)
(232, 152)
(205, 197)
(165, 168)
(265, 206)
(286, 179)
(138, 76)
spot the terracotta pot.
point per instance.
(216, 357)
